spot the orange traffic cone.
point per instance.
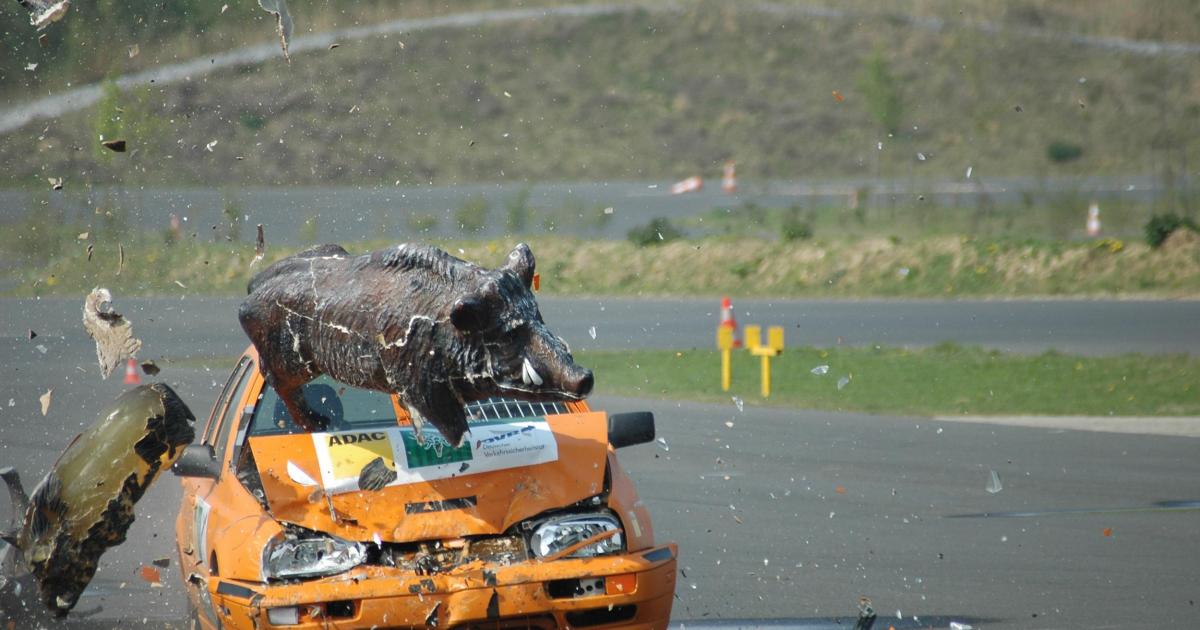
(131, 374)
(728, 321)
(691, 184)
(729, 180)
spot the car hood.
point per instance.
(507, 471)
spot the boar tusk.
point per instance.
(529, 376)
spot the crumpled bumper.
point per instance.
(530, 595)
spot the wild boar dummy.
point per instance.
(411, 320)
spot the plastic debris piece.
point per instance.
(592, 332)
(83, 509)
(260, 245)
(150, 368)
(45, 400)
(151, 574)
(1107, 532)
(116, 146)
(31, 66)
(820, 370)
(209, 147)
(161, 563)
(32, 335)
(662, 443)
(843, 382)
(45, 13)
(56, 183)
(994, 484)
(120, 258)
(729, 424)
(134, 51)
(298, 475)
(83, 236)
(283, 19)
(866, 614)
(954, 625)
(840, 489)
(609, 210)
(741, 404)
(113, 334)
(969, 170)
(41, 348)
(334, 45)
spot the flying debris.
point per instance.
(260, 246)
(279, 9)
(116, 146)
(85, 503)
(45, 13)
(113, 334)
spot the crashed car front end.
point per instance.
(533, 523)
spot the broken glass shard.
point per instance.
(662, 443)
(820, 370)
(994, 484)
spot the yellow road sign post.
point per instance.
(725, 345)
(773, 348)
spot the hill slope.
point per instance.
(643, 94)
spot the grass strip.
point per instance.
(943, 380)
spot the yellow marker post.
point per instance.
(725, 345)
(773, 348)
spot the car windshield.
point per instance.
(352, 408)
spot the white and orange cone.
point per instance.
(729, 321)
(131, 374)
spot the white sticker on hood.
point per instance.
(492, 445)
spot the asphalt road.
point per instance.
(764, 531)
(766, 534)
(182, 327)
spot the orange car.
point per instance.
(531, 524)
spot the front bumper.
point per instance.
(496, 597)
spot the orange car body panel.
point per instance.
(222, 529)
(502, 497)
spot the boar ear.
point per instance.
(471, 314)
(520, 261)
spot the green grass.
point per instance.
(52, 259)
(636, 96)
(943, 380)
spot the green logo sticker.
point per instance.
(435, 452)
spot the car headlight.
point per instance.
(558, 534)
(311, 557)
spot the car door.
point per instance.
(196, 511)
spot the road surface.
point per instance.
(790, 516)
(183, 327)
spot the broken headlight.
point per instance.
(557, 535)
(311, 557)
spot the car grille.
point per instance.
(504, 408)
(432, 558)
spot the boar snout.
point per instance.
(579, 382)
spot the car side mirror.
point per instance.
(197, 460)
(627, 429)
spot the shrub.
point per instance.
(472, 215)
(794, 226)
(423, 223)
(1061, 152)
(657, 231)
(1160, 227)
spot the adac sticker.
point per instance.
(493, 445)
